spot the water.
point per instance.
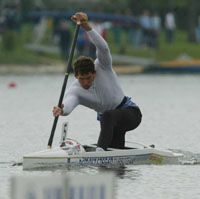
(171, 119)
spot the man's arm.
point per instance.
(102, 49)
(69, 103)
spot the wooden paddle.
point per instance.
(64, 82)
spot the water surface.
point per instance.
(171, 119)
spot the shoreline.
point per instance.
(31, 69)
(58, 69)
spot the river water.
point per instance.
(171, 119)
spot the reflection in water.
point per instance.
(122, 172)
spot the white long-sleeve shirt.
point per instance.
(105, 92)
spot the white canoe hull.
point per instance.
(58, 157)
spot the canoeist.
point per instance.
(96, 87)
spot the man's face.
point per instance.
(86, 80)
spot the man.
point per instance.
(97, 87)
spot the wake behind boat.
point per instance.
(72, 153)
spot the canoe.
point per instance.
(71, 153)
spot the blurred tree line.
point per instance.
(186, 11)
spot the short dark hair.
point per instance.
(84, 65)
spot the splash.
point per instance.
(189, 158)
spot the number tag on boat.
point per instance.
(64, 132)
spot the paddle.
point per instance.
(64, 82)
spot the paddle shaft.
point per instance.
(64, 83)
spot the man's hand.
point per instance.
(82, 19)
(57, 111)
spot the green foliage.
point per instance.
(9, 40)
(13, 51)
(163, 3)
(165, 51)
(19, 55)
(174, 50)
(27, 5)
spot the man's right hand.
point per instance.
(57, 111)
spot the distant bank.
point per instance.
(59, 68)
(176, 66)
